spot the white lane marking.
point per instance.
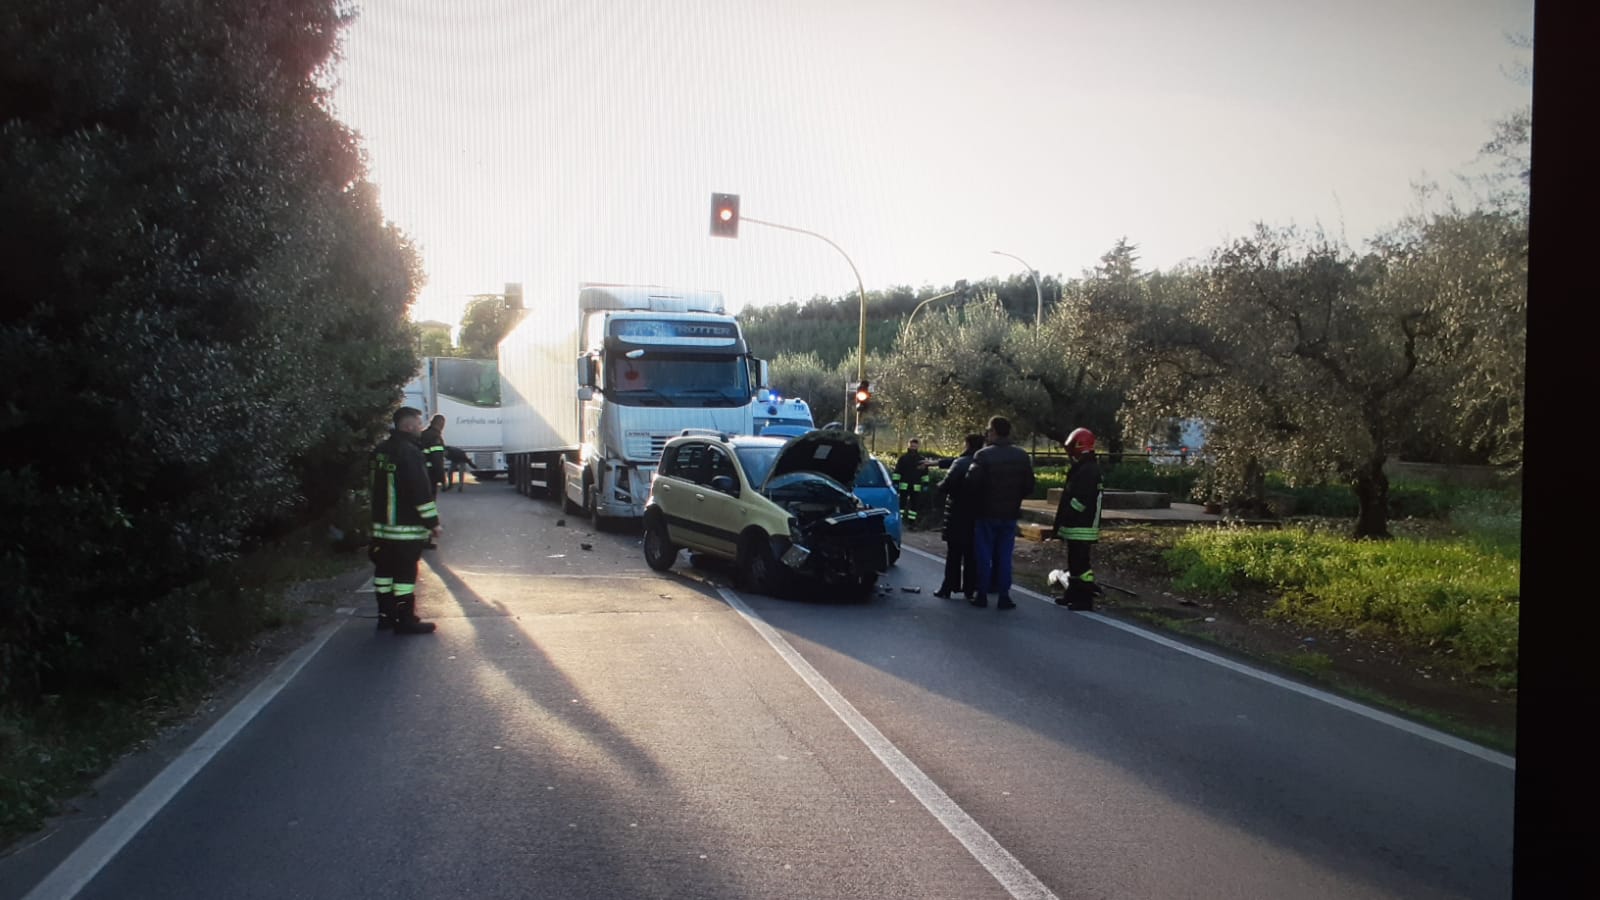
(1012, 875)
(1376, 715)
(84, 863)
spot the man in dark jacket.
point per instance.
(1078, 520)
(960, 566)
(404, 517)
(999, 479)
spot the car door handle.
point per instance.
(699, 496)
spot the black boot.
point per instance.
(385, 611)
(406, 621)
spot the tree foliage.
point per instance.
(204, 321)
(486, 321)
(955, 369)
(1307, 357)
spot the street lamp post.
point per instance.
(1038, 315)
(861, 343)
(911, 318)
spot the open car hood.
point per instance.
(831, 452)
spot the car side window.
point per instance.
(719, 464)
(688, 462)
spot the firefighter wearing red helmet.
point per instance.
(1078, 521)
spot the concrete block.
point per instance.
(1121, 499)
(1032, 531)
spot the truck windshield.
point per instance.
(665, 379)
(474, 381)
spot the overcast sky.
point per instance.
(556, 142)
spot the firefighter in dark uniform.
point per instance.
(912, 480)
(432, 442)
(1078, 521)
(404, 518)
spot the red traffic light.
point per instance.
(863, 397)
(725, 215)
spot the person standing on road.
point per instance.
(998, 480)
(460, 461)
(911, 470)
(1078, 520)
(432, 442)
(960, 566)
(404, 517)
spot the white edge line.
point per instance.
(1012, 875)
(84, 863)
(1377, 715)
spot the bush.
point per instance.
(1177, 482)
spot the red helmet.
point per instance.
(1080, 441)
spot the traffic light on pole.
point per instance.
(863, 397)
(725, 215)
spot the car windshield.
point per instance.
(872, 475)
(757, 462)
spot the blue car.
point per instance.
(786, 430)
(877, 491)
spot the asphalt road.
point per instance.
(582, 727)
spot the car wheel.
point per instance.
(758, 568)
(659, 553)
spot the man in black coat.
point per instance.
(960, 566)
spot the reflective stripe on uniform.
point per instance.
(428, 509)
(404, 590)
(400, 532)
(1079, 534)
(1077, 505)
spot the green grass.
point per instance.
(1134, 475)
(1457, 596)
